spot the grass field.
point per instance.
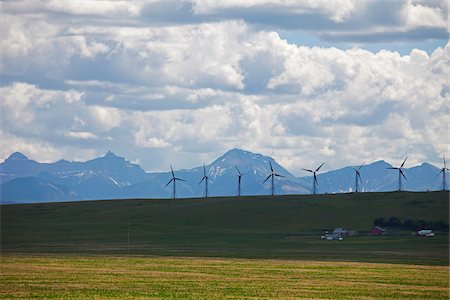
(286, 227)
(94, 277)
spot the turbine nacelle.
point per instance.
(443, 170)
(358, 176)
(205, 178)
(315, 182)
(400, 173)
(273, 175)
(173, 180)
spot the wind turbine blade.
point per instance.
(392, 168)
(308, 170)
(279, 175)
(179, 179)
(202, 180)
(169, 182)
(171, 169)
(359, 175)
(403, 174)
(320, 166)
(267, 178)
(271, 169)
(315, 179)
(204, 169)
(442, 170)
(361, 165)
(239, 172)
(404, 162)
(445, 165)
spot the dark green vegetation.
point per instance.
(106, 277)
(394, 222)
(287, 227)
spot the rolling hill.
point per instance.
(262, 226)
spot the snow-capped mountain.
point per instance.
(112, 177)
(223, 175)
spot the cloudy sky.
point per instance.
(182, 82)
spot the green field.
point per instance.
(249, 247)
(286, 227)
(94, 277)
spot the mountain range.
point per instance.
(23, 180)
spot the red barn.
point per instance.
(377, 230)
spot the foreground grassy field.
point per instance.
(287, 227)
(89, 277)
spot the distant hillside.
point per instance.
(262, 226)
(113, 177)
(32, 189)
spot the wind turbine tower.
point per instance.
(358, 177)
(239, 180)
(272, 176)
(443, 170)
(205, 178)
(173, 180)
(315, 182)
(400, 174)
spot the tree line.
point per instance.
(410, 224)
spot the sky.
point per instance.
(182, 82)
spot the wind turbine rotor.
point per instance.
(403, 174)
(320, 166)
(404, 162)
(169, 182)
(361, 166)
(239, 172)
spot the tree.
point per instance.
(394, 222)
(410, 224)
(379, 222)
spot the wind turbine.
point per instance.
(239, 180)
(205, 178)
(315, 182)
(174, 179)
(400, 174)
(443, 170)
(272, 175)
(358, 177)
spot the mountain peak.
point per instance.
(110, 154)
(236, 152)
(17, 156)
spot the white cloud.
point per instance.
(108, 78)
(336, 10)
(418, 15)
(104, 118)
(81, 135)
